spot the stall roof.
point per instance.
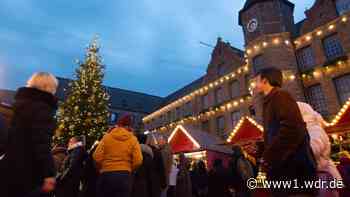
(341, 122)
(247, 129)
(190, 139)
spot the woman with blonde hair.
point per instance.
(30, 168)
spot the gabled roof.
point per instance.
(121, 99)
(246, 130)
(200, 140)
(343, 116)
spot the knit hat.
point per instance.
(125, 121)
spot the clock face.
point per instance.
(252, 25)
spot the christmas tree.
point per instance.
(85, 110)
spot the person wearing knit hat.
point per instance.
(117, 156)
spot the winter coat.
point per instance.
(69, 181)
(319, 140)
(28, 156)
(118, 150)
(89, 175)
(287, 150)
(183, 182)
(6, 114)
(167, 160)
(199, 181)
(218, 183)
(344, 169)
(157, 173)
(142, 180)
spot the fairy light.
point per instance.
(276, 41)
(344, 19)
(331, 27)
(319, 32)
(340, 114)
(308, 38)
(287, 42)
(265, 44)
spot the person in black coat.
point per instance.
(218, 180)
(30, 167)
(287, 153)
(142, 178)
(69, 181)
(90, 174)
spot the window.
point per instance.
(235, 89)
(342, 85)
(221, 69)
(169, 116)
(188, 108)
(205, 101)
(235, 117)
(205, 126)
(219, 95)
(343, 6)
(306, 58)
(178, 113)
(332, 47)
(316, 98)
(220, 126)
(113, 117)
(258, 63)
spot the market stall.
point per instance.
(198, 145)
(245, 134)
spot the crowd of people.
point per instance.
(126, 164)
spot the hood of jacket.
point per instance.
(121, 134)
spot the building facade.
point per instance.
(313, 55)
(122, 102)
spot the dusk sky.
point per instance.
(151, 46)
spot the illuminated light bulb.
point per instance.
(246, 68)
(256, 47)
(211, 85)
(319, 33)
(241, 100)
(216, 83)
(296, 42)
(331, 27)
(235, 103)
(229, 105)
(276, 41)
(239, 71)
(317, 74)
(308, 38)
(249, 51)
(221, 80)
(339, 62)
(265, 44)
(233, 75)
(292, 77)
(227, 78)
(344, 19)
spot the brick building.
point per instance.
(121, 102)
(312, 53)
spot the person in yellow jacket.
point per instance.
(117, 156)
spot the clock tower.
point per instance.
(268, 27)
(262, 17)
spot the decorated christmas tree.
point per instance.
(85, 110)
